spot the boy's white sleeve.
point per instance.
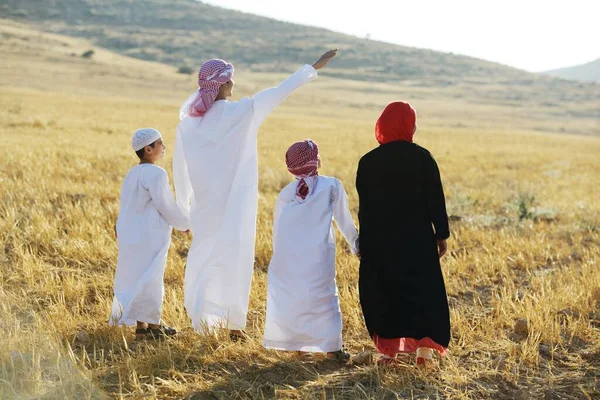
(181, 177)
(164, 201)
(278, 209)
(343, 217)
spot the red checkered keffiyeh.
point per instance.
(212, 75)
(302, 159)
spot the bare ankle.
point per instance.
(141, 325)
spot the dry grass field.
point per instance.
(522, 272)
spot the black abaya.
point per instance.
(402, 213)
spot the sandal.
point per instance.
(340, 355)
(424, 356)
(161, 332)
(141, 333)
(422, 361)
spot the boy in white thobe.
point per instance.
(303, 311)
(147, 212)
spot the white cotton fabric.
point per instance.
(147, 212)
(303, 310)
(215, 171)
(144, 137)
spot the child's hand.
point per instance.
(442, 247)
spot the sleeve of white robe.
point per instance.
(266, 100)
(181, 177)
(278, 209)
(343, 217)
(163, 200)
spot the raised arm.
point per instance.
(343, 217)
(181, 177)
(266, 100)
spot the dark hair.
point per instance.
(140, 152)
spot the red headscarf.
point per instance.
(212, 75)
(397, 122)
(302, 159)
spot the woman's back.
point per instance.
(396, 184)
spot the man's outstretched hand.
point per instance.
(325, 58)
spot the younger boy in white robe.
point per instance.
(303, 311)
(147, 213)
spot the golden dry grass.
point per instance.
(525, 243)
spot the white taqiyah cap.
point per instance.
(143, 137)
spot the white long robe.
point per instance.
(303, 311)
(215, 171)
(147, 213)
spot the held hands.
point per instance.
(442, 247)
(325, 58)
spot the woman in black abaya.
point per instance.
(403, 232)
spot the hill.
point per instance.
(51, 62)
(186, 32)
(588, 72)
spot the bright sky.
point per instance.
(534, 35)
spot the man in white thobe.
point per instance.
(215, 171)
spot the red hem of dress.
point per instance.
(391, 347)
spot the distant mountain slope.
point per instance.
(588, 72)
(185, 32)
(49, 62)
